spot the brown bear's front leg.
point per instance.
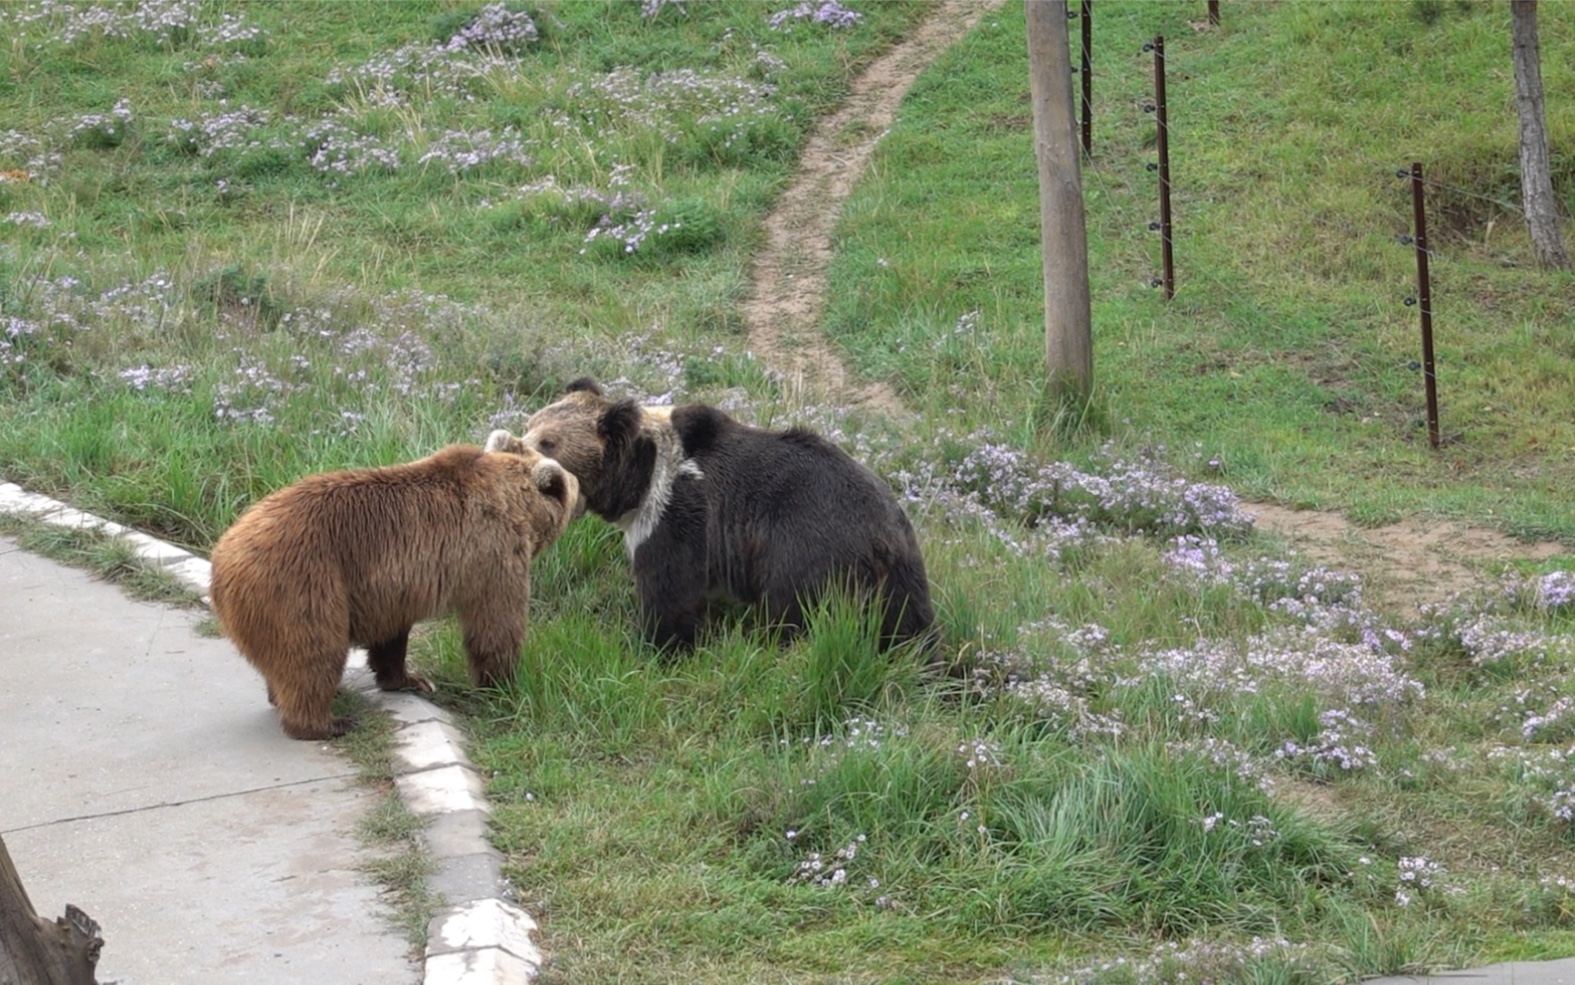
(305, 697)
(494, 626)
(387, 660)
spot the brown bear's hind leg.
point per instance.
(387, 660)
(306, 702)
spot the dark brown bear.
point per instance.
(710, 506)
(356, 558)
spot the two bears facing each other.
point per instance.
(710, 506)
(358, 557)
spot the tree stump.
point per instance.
(34, 951)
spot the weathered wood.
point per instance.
(1069, 344)
(34, 951)
(1536, 177)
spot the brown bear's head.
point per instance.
(599, 440)
(559, 488)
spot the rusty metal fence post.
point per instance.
(1424, 291)
(1088, 76)
(1167, 261)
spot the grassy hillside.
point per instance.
(244, 242)
(355, 231)
(1288, 351)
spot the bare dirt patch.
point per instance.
(1406, 564)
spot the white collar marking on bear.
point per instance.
(639, 523)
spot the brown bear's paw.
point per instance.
(333, 730)
(410, 682)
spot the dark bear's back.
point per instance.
(790, 511)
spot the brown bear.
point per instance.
(355, 558)
(711, 507)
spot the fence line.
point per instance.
(1425, 295)
(1161, 116)
(1424, 250)
(1087, 31)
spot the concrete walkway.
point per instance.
(1561, 972)
(144, 778)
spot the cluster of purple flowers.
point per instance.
(558, 201)
(496, 28)
(818, 870)
(465, 150)
(65, 305)
(1415, 874)
(980, 754)
(866, 734)
(164, 21)
(37, 159)
(69, 23)
(1318, 598)
(631, 232)
(1036, 509)
(104, 129)
(1052, 701)
(254, 391)
(12, 331)
(231, 31)
(1341, 742)
(336, 148)
(399, 356)
(237, 129)
(650, 8)
(661, 371)
(1556, 591)
(431, 70)
(827, 12)
(36, 220)
(1228, 758)
(632, 103)
(177, 378)
(1339, 673)
(1548, 774)
(1490, 639)
(1503, 631)
(1546, 594)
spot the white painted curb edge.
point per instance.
(480, 938)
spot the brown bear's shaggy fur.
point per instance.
(355, 558)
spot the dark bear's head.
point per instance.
(599, 440)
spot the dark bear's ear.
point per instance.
(619, 426)
(698, 426)
(584, 384)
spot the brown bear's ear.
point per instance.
(557, 482)
(619, 426)
(584, 384)
(501, 440)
